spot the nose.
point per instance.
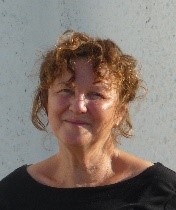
(78, 104)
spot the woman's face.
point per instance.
(82, 113)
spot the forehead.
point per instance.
(82, 71)
(83, 68)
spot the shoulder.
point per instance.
(148, 171)
(10, 186)
(16, 183)
(13, 178)
(158, 176)
(161, 173)
(151, 180)
(159, 182)
(164, 182)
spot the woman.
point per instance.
(86, 85)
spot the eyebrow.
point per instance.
(94, 85)
(69, 84)
(103, 85)
(62, 83)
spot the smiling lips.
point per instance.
(76, 122)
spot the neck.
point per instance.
(92, 167)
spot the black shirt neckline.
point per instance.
(120, 184)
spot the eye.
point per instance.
(95, 95)
(65, 91)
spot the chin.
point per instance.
(75, 140)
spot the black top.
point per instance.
(153, 189)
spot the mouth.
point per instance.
(76, 122)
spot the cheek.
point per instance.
(56, 104)
(108, 106)
(102, 111)
(56, 108)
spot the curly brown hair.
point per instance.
(101, 51)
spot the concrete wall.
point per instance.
(145, 29)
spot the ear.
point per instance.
(120, 113)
